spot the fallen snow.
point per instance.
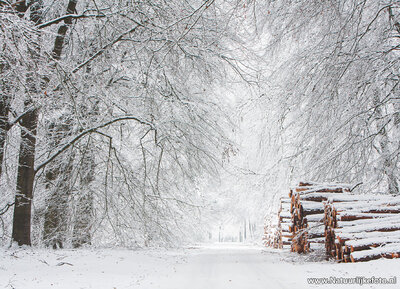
(217, 266)
(338, 198)
(374, 225)
(386, 249)
(388, 219)
(318, 218)
(285, 215)
(316, 187)
(369, 235)
(369, 241)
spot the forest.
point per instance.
(164, 123)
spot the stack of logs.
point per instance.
(285, 223)
(354, 228)
(276, 228)
(362, 227)
(271, 232)
(307, 213)
(299, 222)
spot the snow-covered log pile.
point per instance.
(298, 223)
(307, 213)
(285, 236)
(276, 228)
(271, 231)
(362, 227)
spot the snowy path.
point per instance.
(207, 267)
(226, 266)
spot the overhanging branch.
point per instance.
(105, 47)
(88, 131)
(5, 209)
(69, 17)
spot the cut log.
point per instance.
(285, 200)
(374, 227)
(369, 235)
(285, 207)
(285, 227)
(285, 215)
(307, 184)
(388, 251)
(315, 235)
(344, 199)
(385, 219)
(319, 240)
(361, 206)
(331, 188)
(317, 218)
(362, 244)
(352, 216)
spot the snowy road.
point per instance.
(219, 266)
(226, 266)
(234, 266)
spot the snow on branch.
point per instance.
(88, 131)
(5, 209)
(105, 47)
(69, 17)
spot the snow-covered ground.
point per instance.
(216, 266)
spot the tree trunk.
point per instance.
(4, 110)
(244, 230)
(26, 171)
(26, 174)
(5, 96)
(389, 165)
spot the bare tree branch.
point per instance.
(69, 17)
(88, 131)
(5, 209)
(105, 47)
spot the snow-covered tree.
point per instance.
(331, 101)
(118, 112)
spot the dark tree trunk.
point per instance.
(4, 111)
(5, 95)
(26, 174)
(26, 171)
(62, 31)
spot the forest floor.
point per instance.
(216, 266)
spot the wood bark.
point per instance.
(26, 161)
(5, 99)
(389, 165)
(26, 169)
(25, 180)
